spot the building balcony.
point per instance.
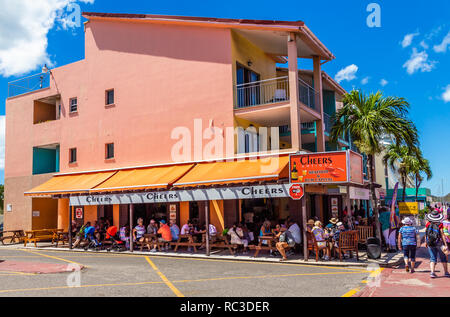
(28, 84)
(272, 91)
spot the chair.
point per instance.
(348, 241)
(312, 244)
(364, 232)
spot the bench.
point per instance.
(222, 242)
(364, 232)
(270, 245)
(348, 241)
(40, 235)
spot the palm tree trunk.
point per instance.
(404, 187)
(417, 189)
(373, 197)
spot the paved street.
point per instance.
(397, 283)
(140, 275)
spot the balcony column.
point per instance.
(296, 129)
(319, 88)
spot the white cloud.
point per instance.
(446, 94)
(442, 48)
(407, 40)
(2, 142)
(383, 82)
(365, 80)
(23, 47)
(347, 73)
(418, 62)
(424, 45)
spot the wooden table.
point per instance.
(189, 243)
(15, 234)
(60, 236)
(271, 240)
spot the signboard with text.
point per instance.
(328, 167)
(408, 208)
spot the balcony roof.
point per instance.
(271, 35)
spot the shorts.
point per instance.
(434, 251)
(162, 240)
(409, 252)
(321, 244)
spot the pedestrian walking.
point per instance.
(407, 241)
(436, 242)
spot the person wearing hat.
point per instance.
(309, 225)
(407, 241)
(436, 242)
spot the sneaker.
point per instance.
(433, 275)
(412, 270)
(407, 268)
(447, 274)
(153, 250)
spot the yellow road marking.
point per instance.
(177, 281)
(53, 257)
(373, 274)
(164, 278)
(351, 292)
(362, 270)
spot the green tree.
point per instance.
(369, 119)
(401, 158)
(420, 168)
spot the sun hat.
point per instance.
(317, 223)
(435, 216)
(310, 222)
(334, 221)
(407, 221)
(339, 224)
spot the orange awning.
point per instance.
(70, 184)
(143, 178)
(235, 172)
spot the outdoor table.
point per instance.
(16, 234)
(61, 236)
(190, 242)
(271, 240)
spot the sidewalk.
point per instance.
(396, 282)
(386, 260)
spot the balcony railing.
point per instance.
(262, 92)
(28, 84)
(308, 96)
(327, 122)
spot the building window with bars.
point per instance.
(73, 104)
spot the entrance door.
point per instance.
(247, 94)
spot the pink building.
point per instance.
(144, 76)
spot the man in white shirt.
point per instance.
(295, 231)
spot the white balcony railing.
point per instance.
(262, 92)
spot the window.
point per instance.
(109, 97)
(109, 151)
(73, 105)
(73, 155)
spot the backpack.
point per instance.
(288, 238)
(433, 234)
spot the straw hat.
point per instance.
(310, 222)
(318, 223)
(435, 216)
(334, 221)
(339, 224)
(407, 221)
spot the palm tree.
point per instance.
(368, 119)
(401, 158)
(420, 168)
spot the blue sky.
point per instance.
(386, 58)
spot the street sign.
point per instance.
(296, 191)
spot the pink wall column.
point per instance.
(318, 86)
(296, 129)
